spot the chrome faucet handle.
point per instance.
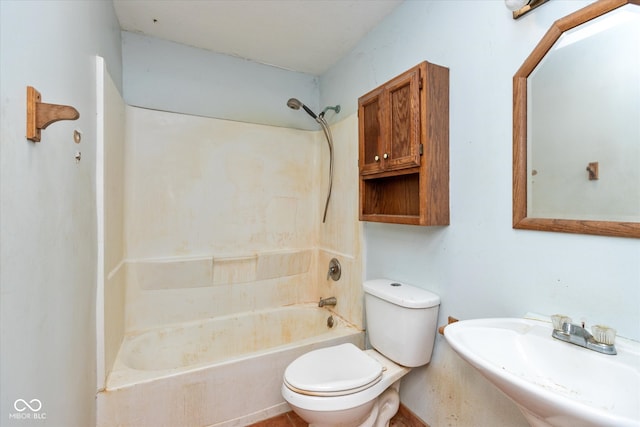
(335, 271)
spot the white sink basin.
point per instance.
(554, 383)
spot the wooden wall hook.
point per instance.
(41, 115)
(592, 168)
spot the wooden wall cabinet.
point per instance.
(403, 128)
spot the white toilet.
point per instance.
(348, 387)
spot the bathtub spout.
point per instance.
(327, 301)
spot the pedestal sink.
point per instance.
(553, 383)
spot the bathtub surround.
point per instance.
(200, 186)
(110, 184)
(214, 208)
(111, 323)
(178, 273)
(170, 291)
(222, 219)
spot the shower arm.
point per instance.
(327, 133)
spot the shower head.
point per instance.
(296, 104)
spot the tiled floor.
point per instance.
(403, 418)
(290, 419)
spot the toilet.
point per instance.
(348, 387)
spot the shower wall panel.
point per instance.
(220, 217)
(199, 186)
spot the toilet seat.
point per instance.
(333, 371)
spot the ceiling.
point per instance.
(301, 35)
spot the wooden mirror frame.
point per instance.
(520, 219)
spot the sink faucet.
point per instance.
(327, 301)
(578, 335)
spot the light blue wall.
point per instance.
(168, 76)
(48, 248)
(479, 265)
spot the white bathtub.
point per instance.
(224, 371)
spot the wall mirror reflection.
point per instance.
(577, 125)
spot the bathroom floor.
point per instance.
(403, 418)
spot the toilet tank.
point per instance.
(401, 320)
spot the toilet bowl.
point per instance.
(349, 387)
(351, 394)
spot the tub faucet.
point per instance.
(578, 335)
(327, 301)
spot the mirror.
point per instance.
(576, 125)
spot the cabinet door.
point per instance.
(402, 149)
(371, 134)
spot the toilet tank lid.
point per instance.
(401, 294)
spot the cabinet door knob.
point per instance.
(376, 158)
(386, 156)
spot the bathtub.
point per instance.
(225, 371)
